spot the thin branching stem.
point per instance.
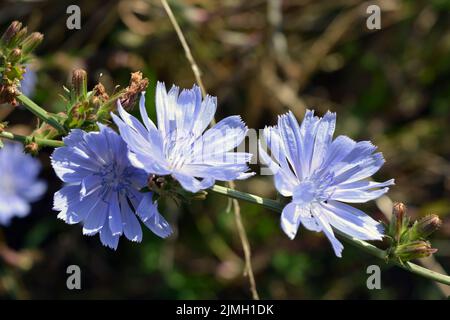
(40, 113)
(236, 208)
(365, 246)
(27, 139)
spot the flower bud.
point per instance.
(414, 250)
(399, 220)
(31, 42)
(426, 226)
(11, 32)
(19, 37)
(15, 55)
(32, 148)
(79, 83)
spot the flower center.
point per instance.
(305, 193)
(178, 148)
(115, 177)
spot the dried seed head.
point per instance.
(136, 86)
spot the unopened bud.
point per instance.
(79, 83)
(399, 219)
(414, 250)
(19, 37)
(156, 183)
(31, 42)
(32, 148)
(11, 32)
(426, 226)
(399, 211)
(15, 55)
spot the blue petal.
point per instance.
(192, 184)
(337, 151)
(33, 191)
(143, 110)
(352, 225)
(326, 228)
(114, 216)
(131, 227)
(222, 172)
(90, 184)
(65, 197)
(323, 138)
(224, 136)
(96, 218)
(147, 155)
(148, 212)
(350, 213)
(361, 191)
(308, 130)
(292, 142)
(290, 220)
(204, 113)
(78, 209)
(108, 239)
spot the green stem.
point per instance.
(27, 139)
(365, 246)
(40, 113)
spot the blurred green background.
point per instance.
(259, 58)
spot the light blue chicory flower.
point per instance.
(320, 175)
(19, 183)
(179, 146)
(102, 188)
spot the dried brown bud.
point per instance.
(79, 83)
(32, 148)
(8, 94)
(136, 86)
(100, 92)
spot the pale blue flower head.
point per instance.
(180, 146)
(102, 188)
(320, 174)
(19, 183)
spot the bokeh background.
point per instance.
(259, 58)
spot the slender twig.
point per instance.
(27, 139)
(40, 113)
(236, 208)
(187, 50)
(369, 248)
